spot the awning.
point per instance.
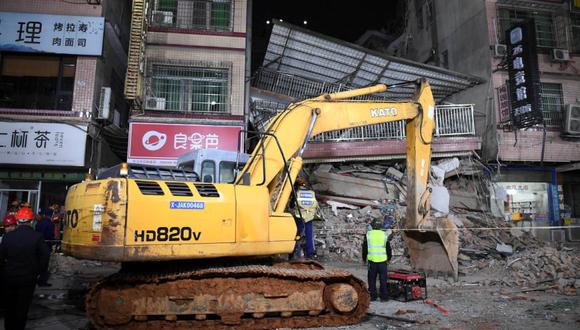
(314, 56)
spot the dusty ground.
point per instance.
(470, 304)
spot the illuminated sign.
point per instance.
(524, 75)
(160, 144)
(60, 34)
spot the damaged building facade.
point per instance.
(536, 169)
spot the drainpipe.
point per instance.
(434, 37)
(248, 69)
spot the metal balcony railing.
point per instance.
(297, 87)
(451, 120)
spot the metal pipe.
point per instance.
(315, 113)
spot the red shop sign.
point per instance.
(161, 144)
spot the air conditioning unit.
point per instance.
(163, 17)
(571, 122)
(155, 103)
(499, 50)
(104, 110)
(560, 55)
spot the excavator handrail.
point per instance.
(286, 170)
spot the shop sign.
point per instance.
(523, 186)
(42, 143)
(161, 144)
(524, 75)
(60, 34)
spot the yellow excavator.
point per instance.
(198, 254)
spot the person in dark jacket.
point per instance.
(23, 256)
(376, 250)
(46, 227)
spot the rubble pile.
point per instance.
(341, 235)
(68, 266)
(520, 258)
(352, 195)
(559, 269)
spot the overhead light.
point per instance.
(305, 22)
(268, 22)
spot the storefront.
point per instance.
(40, 161)
(531, 191)
(526, 201)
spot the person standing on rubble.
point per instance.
(376, 251)
(23, 256)
(304, 212)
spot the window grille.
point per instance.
(212, 15)
(552, 104)
(544, 24)
(191, 89)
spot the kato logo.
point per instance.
(384, 112)
(186, 205)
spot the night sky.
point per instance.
(345, 20)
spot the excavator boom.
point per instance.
(432, 243)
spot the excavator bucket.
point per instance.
(434, 248)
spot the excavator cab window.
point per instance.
(208, 171)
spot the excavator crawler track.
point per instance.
(285, 295)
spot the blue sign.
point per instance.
(186, 205)
(60, 34)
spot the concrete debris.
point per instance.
(334, 205)
(394, 173)
(343, 233)
(353, 186)
(487, 244)
(440, 200)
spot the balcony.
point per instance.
(451, 120)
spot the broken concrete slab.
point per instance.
(353, 187)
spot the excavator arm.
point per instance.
(277, 160)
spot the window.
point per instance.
(181, 88)
(208, 171)
(575, 26)
(213, 15)
(545, 37)
(552, 103)
(227, 172)
(31, 81)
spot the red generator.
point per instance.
(405, 285)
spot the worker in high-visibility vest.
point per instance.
(376, 250)
(304, 212)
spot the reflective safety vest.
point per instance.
(307, 203)
(376, 242)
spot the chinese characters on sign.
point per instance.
(24, 32)
(195, 141)
(523, 75)
(161, 144)
(34, 143)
